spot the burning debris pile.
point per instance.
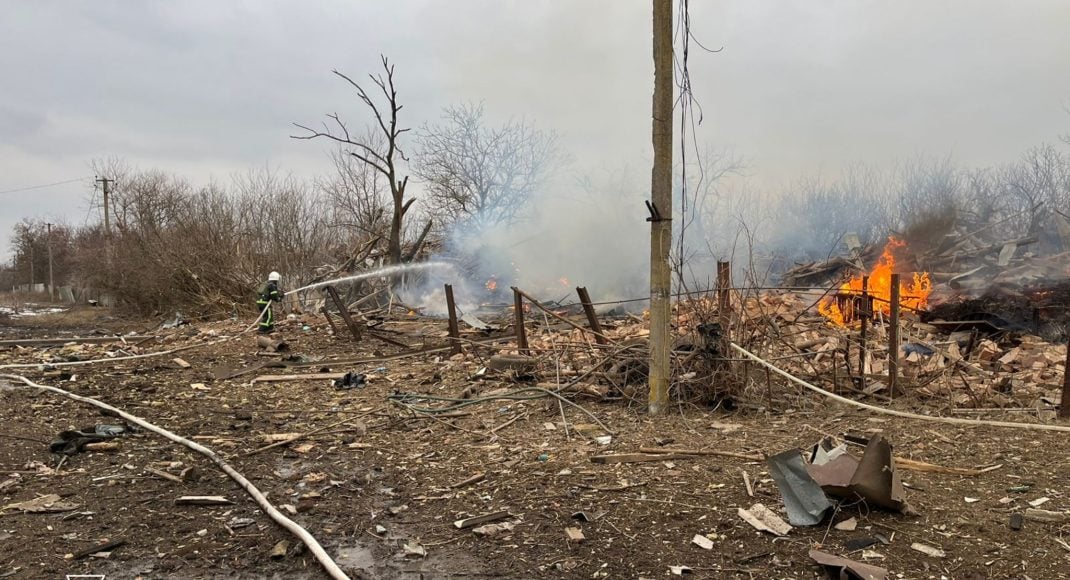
(964, 275)
(914, 295)
(979, 317)
(979, 367)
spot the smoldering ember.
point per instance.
(460, 333)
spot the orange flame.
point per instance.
(912, 294)
(492, 284)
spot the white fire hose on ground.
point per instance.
(893, 412)
(302, 534)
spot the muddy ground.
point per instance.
(386, 479)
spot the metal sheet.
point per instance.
(804, 499)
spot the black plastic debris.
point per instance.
(855, 544)
(73, 442)
(351, 380)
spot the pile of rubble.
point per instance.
(978, 366)
(1016, 283)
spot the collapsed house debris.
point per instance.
(495, 380)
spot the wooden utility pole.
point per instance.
(893, 336)
(1064, 402)
(105, 185)
(660, 208)
(865, 310)
(51, 283)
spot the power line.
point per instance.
(42, 186)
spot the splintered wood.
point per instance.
(963, 369)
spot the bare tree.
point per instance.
(815, 215)
(356, 192)
(382, 156)
(30, 241)
(479, 174)
(700, 207)
(1037, 184)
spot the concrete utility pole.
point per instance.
(660, 208)
(51, 284)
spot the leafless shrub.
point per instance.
(177, 247)
(30, 242)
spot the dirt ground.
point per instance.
(386, 483)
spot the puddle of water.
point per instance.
(357, 557)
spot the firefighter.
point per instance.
(267, 294)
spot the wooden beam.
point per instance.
(539, 305)
(1064, 403)
(327, 315)
(893, 337)
(669, 451)
(865, 312)
(592, 318)
(344, 311)
(518, 321)
(455, 331)
(70, 339)
(724, 303)
(638, 457)
(304, 377)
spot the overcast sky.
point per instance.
(209, 88)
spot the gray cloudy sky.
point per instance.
(208, 88)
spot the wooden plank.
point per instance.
(223, 372)
(164, 474)
(206, 500)
(379, 336)
(914, 465)
(97, 548)
(304, 377)
(638, 457)
(480, 520)
(303, 435)
(718, 453)
(74, 339)
(471, 480)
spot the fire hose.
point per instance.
(302, 534)
(893, 412)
